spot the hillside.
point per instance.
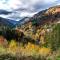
(35, 38)
(40, 24)
(5, 23)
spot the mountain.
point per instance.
(47, 16)
(43, 17)
(13, 22)
(5, 22)
(22, 21)
(43, 21)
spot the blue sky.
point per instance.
(23, 8)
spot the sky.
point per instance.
(25, 8)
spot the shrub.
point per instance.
(12, 47)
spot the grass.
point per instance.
(29, 51)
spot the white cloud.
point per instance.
(9, 4)
(13, 4)
(26, 7)
(49, 1)
(24, 14)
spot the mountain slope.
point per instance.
(41, 23)
(47, 16)
(13, 22)
(22, 21)
(5, 22)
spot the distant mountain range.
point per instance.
(12, 23)
(7, 22)
(43, 17)
(22, 21)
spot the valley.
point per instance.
(31, 38)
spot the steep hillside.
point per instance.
(47, 16)
(40, 24)
(5, 23)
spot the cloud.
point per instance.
(4, 12)
(23, 8)
(9, 4)
(24, 4)
(30, 7)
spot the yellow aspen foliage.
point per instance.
(25, 33)
(36, 36)
(31, 46)
(30, 26)
(27, 50)
(31, 49)
(33, 37)
(38, 31)
(12, 46)
(42, 39)
(44, 51)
